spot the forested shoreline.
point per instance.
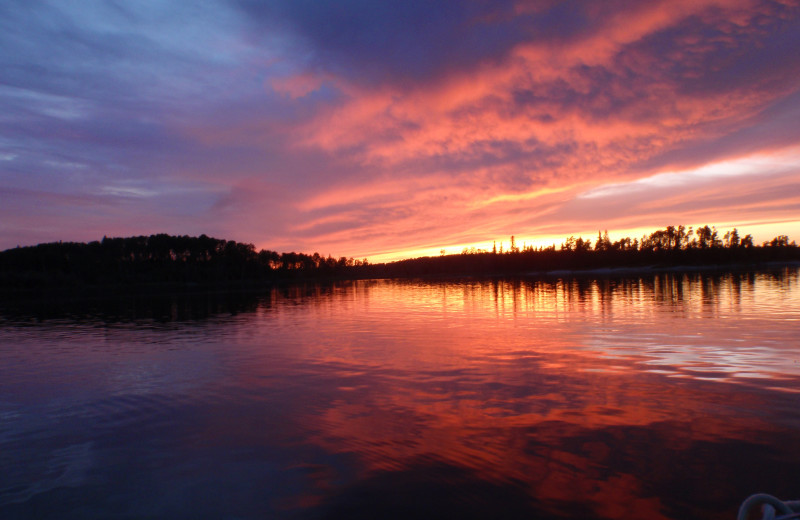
(160, 259)
(165, 260)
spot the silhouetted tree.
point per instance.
(731, 239)
(582, 245)
(179, 259)
(603, 242)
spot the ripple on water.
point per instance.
(595, 394)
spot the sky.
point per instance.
(387, 130)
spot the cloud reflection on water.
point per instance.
(665, 396)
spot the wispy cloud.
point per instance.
(359, 127)
(760, 166)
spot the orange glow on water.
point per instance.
(496, 377)
(588, 398)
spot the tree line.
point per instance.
(159, 258)
(673, 246)
(166, 259)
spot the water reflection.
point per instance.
(670, 396)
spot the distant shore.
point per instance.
(658, 269)
(164, 263)
(101, 292)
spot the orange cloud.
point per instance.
(506, 146)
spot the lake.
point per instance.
(667, 396)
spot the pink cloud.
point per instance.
(455, 159)
(296, 86)
(352, 150)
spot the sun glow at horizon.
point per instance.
(761, 166)
(761, 232)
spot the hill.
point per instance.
(165, 260)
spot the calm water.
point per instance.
(662, 397)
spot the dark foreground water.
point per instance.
(662, 397)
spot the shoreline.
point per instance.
(659, 269)
(88, 292)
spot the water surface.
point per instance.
(664, 397)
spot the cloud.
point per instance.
(359, 127)
(376, 43)
(758, 166)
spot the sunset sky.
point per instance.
(392, 129)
